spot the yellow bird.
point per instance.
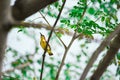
(43, 44)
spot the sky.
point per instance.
(23, 43)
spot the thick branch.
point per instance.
(42, 25)
(3, 36)
(24, 8)
(5, 13)
(98, 51)
(114, 47)
(5, 21)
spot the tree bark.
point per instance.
(24, 8)
(5, 21)
(114, 47)
(21, 10)
(3, 36)
(97, 52)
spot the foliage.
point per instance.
(87, 18)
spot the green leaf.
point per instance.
(65, 21)
(91, 11)
(68, 65)
(84, 52)
(88, 32)
(108, 20)
(115, 17)
(118, 56)
(92, 0)
(16, 63)
(118, 71)
(79, 30)
(102, 28)
(56, 4)
(99, 1)
(21, 29)
(51, 14)
(36, 49)
(112, 1)
(59, 34)
(103, 18)
(67, 74)
(39, 61)
(78, 58)
(24, 72)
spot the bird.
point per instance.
(43, 44)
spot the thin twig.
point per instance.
(35, 19)
(18, 67)
(54, 29)
(45, 18)
(83, 14)
(60, 40)
(43, 60)
(67, 48)
(64, 56)
(97, 19)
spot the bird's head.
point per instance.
(41, 34)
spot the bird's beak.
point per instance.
(41, 34)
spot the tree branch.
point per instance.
(23, 65)
(54, 30)
(114, 47)
(94, 56)
(18, 67)
(24, 8)
(64, 56)
(21, 10)
(43, 60)
(5, 22)
(41, 25)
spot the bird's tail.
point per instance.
(50, 53)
